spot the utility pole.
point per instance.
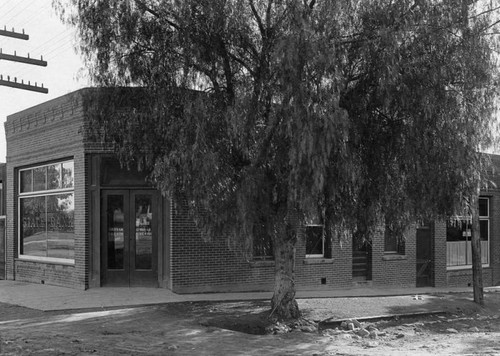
(26, 60)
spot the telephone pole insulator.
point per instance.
(21, 36)
(20, 59)
(15, 84)
(27, 60)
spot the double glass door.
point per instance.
(129, 236)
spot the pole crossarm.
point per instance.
(22, 85)
(27, 60)
(21, 36)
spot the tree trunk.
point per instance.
(477, 268)
(283, 304)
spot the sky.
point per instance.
(49, 38)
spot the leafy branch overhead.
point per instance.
(344, 112)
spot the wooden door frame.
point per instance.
(134, 278)
(421, 265)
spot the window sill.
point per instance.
(50, 261)
(393, 257)
(463, 268)
(317, 261)
(262, 263)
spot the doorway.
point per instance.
(129, 238)
(424, 257)
(361, 261)
(2, 247)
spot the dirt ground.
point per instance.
(238, 328)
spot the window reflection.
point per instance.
(54, 176)
(26, 181)
(47, 216)
(143, 232)
(67, 174)
(48, 226)
(39, 179)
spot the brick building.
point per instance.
(75, 218)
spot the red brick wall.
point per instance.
(394, 269)
(210, 266)
(45, 133)
(439, 253)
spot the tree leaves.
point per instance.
(350, 110)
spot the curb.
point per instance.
(332, 323)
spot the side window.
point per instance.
(394, 241)
(262, 244)
(318, 245)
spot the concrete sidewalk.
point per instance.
(45, 297)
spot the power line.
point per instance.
(19, 12)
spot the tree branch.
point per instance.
(257, 17)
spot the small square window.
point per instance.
(262, 243)
(394, 242)
(263, 247)
(483, 207)
(317, 244)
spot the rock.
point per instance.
(350, 326)
(332, 332)
(373, 334)
(381, 333)
(371, 344)
(399, 336)
(474, 329)
(452, 331)
(278, 328)
(172, 347)
(343, 325)
(371, 327)
(347, 336)
(418, 330)
(308, 329)
(356, 323)
(363, 333)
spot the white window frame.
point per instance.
(488, 255)
(41, 193)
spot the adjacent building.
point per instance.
(76, 218)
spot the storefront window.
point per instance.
(458, 238)
(46, 212)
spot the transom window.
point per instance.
(46, 212)
(458, 238)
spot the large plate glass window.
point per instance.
(47, 212)
(458, 238)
